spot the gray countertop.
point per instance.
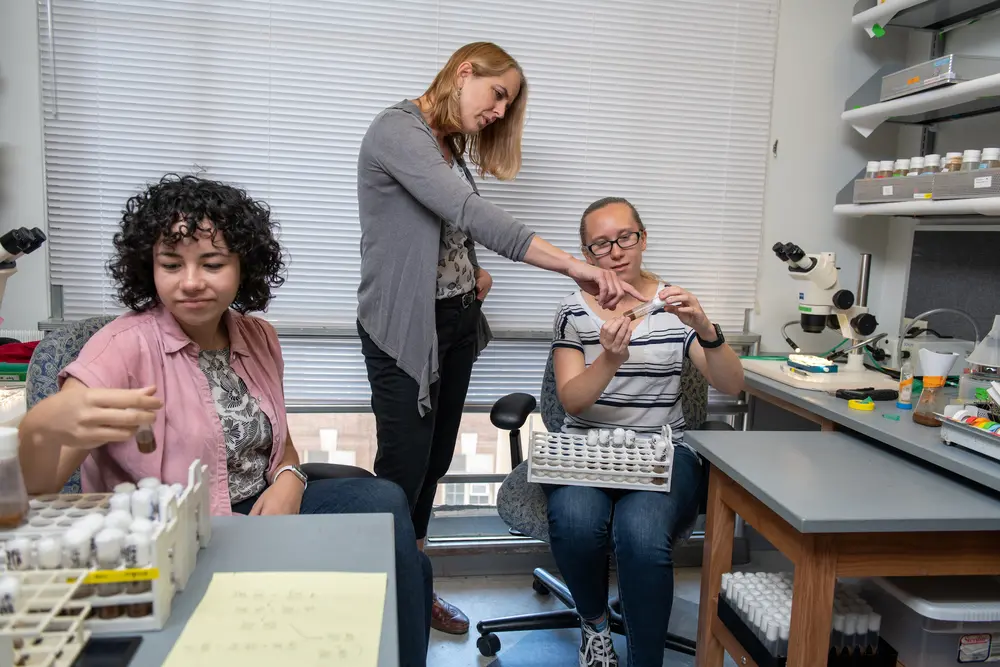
(905, 435)
(835, 483)
(300, 543)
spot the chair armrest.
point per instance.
(510, 412)
(715, 426)
(317, 471)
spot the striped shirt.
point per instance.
(645, 393)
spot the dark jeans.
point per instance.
(586, 522)
(413, 568)
(414, 451)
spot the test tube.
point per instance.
(145, 440)
(76, 555)
(119, 519)
(19, 556)
(862, 642)
(10, 592)
(121, 502)
(837, 633)
(758, 621)
(144, 502)
(726, 578)
(771, 637)
(138, 553)
(850, 632)
(124, 487)
(874, 627)
(783, 628)
(144, 526)
(148, 483)
(49, 553)
(109, 551)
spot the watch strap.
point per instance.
(295, 470)
(719, 341)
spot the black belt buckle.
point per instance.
(468, 298)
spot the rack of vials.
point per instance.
(41, 625)
(618, 459)
(763, 604)
(137, 546)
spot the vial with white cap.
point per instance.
(121, 502)
(91, 523)
(971, 159)
(990, 159)
(850, 632)
(874, 628)
(144, 526)
(771, 637)
(108, 544)
(643, 309)
(149, 483)
(19, 554)
(871, 171)
(49, 553)
(76, 552)
(124, 487)
(10, 593)
(119, 519)
(144, 502)
(178, 489)
(783, 628)
(862, 633)
(837, 633)
(137, 552)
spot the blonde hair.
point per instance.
(597, 206)
(496, 150)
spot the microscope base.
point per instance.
(842, 379)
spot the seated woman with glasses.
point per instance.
(615, 373)
(192, 258)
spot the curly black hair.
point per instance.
(150, 216)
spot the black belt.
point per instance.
(458, 301)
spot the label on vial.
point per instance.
(121, 576)
(886, 190)
(975, 648)
(983, 182)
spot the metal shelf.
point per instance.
(961, 100)
(949, 208)
(933, 15)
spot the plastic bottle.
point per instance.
(990, 160)
(905, 399)
(871, 170)
(916, 166)
(885, 168)
(971, 159)
(932, 164)
(13, 494)
(902, 167)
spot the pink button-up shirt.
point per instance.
(150, 349)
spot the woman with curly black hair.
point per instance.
(192, 258)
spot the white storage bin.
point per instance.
(937, 621)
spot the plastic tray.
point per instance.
(900, 188)
(47, 627)
(175, 545)
(969, 437)
(967, 184)
(567, 459)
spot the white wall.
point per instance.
(22, 173)
(821, 61)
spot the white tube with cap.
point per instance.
(124, 487)
(151, 483)
(121, 502)
(10, 593)
(120, 519)
(144, 502)
(49, 553)
(108, 544)
(19, 554)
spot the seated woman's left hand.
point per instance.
(484, 281)
(282, 497)
(686, 307)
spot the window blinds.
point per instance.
(661, 101)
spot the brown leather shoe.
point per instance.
(446, 617)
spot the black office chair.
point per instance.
(523, 505)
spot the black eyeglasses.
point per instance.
(625, 241)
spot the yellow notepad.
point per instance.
(306, 619)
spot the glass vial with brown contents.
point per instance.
(885, 168)
(952, 162)
(871, 170)
(901, 168)
(138, 554)
(145, 440)
(13, 494)
(932, 401)
(991, 159)
(916, 166)
(932, 164)
(108, 544)
(971, 159)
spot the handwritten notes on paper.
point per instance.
(306, 619)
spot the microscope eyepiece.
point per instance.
(16, 241)
(794, 252)
(779, 251)
(37, 239)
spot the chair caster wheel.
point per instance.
(488, 645)
(539, 587)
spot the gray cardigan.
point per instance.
(405, 191)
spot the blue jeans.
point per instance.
(585, 523)
(413, 568)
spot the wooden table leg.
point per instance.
(812, 602)
(717, 559)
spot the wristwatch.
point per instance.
(295, 470)
(718, 342)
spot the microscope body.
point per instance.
(822, 302)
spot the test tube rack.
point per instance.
(569, 459)
(182, 529)
(47, 627)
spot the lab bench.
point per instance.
(904, 435)
(836, 507)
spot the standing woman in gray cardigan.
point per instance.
(421, 286)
